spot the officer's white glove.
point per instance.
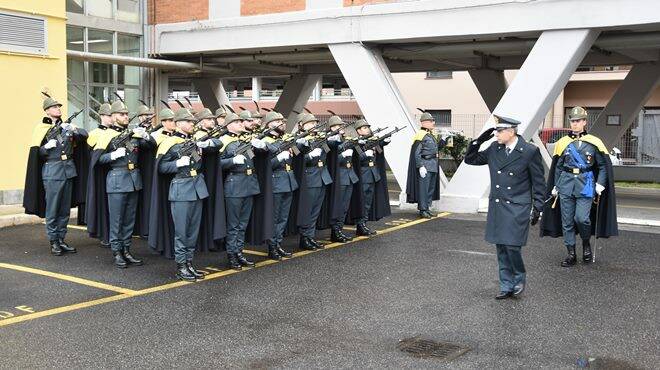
(599, 188)
(335, 137)
(554, 191)
(183, 161)
(204, 144)
(239, 159)
(362, 141)
(387, 139)
(347, 153)
(283, 156)
(67, 127)
(315, 153)
(50, 144)
(422, 171)
(141, 132)
(258, 143)
(302, 141)
(119, 153)
(369, 153)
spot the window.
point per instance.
(100, 42)
(99, 8)
(439, 75)
(23, 34)
(442, 116)
(128, 10)
(74, 41)
(75, 6)
(128, 46)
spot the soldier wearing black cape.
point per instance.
(213, 225)
(423, 183)
(581, 181)
(147, 156)
(55, 171)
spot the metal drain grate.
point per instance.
(420, 347)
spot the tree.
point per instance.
(457, 150)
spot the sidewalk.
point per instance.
(14, 215)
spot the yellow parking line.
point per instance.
(256, 253)
(73, 279)
(128, 293)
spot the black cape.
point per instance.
(98, 225)
(331, 206)
(146, 160)
(213, 227)
(412, 183)
(300, 205)
(607, 226)
(380, 207)
(34, 195)
(161, 225)
(260, 226)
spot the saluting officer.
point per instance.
(51, 164)
(516, 194)
(123, 183)
(240, 187)
(423, 185)
(186, 193)
(284, 182)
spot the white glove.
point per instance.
(347, 153)
(315, 153)
(387, 139)
(183, 161)
(283, 156)
(554, 191)
(362, 141)
(50, 144)
(335, 137)
(422, 171)
(204, 144)
(67, 127)
(141, 132)
(119, 153)
(302, 141)
(369, 153)
(239, 159)
(258, 143)
(155, 135)
(599, 188)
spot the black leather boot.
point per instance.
(586, 251)
(55, 248)
(130, 259)
(305, 243)
(337, 236)
(104, 244)
(196, 273)
(282, 252)
(425, 214)
(363, 230)
(182, 272)
(316, 244)
(120, 262)
(570, 259)
(66, 248)
(244, 261)
(233, 262)
(272, 252)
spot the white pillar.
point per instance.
(211, 92)
(628, 100)
(295, 95)
(316, 94)
(380, 101)
(256, 88)
(543, 75)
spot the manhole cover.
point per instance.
(420, 347)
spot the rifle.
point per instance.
(55, 132)
(246, 148)
(375, 144)
(290, 143)
(124, 138)
(189, 147)
(353, 143)
(322, 140)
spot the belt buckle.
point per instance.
(193, 173)
(64, 157)
(131, 166)
(576, 171)
(371, 163)
(348, 165)
(248, 172)
(320, 164)
(287, 167)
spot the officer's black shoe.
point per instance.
(104, 244)
(130, 259)
(272, 253)
(504, 295)
(316, 244)
(120, 262)
(233, 262)
(55, 248)
(363, 230)
(586, 251)
(182, 272)
(66, 248)
(518, 289)
(305, 243)
(345, 236)
(337, 236)
(425, 214)
(570, 259)
(198, 274)
(282, 252)
(244, 261)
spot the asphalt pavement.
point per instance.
(344, 307)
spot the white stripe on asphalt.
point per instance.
(471, 252)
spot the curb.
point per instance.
(23, 219)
